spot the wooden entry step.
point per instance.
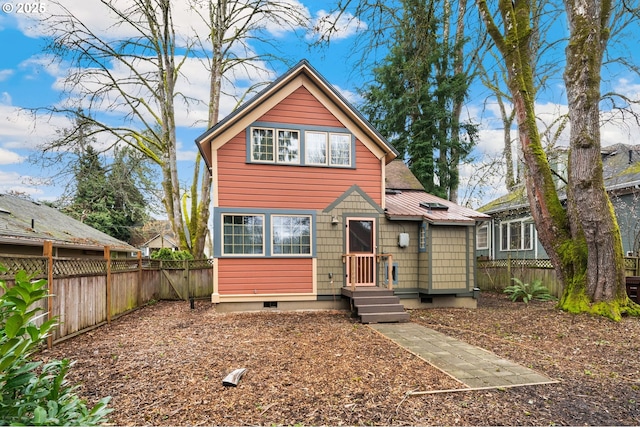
(376, 305)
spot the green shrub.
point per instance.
(528, 292)
(35, 393)
(167, 254)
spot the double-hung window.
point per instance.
(482, 236)
(291, 235)
(516, 235)
(243, 234)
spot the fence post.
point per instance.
(47, 249)
(107, 257)
(509, 268)
(139, 285)
(187, 274)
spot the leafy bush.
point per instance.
(35, 393)
(528, 292)
(167, 254)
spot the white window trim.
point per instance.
(344, 146)
(523, 222)
(327, 154)
(488, 243)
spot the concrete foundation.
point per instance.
(230, 307)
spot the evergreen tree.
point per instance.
(413, 99)
(92, 196)
(128, 171)
(109, 201)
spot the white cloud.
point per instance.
(13, 181)
(8, 157)
(5, 98)
(5, 74)
(354, 98)
(22, 130)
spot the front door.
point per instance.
(361, 252)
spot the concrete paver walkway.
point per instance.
(472, 366)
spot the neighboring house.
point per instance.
(157, 242)
(26, 225)
(512, 234)
(299, 200)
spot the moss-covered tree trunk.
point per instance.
(546, 209)
(601, 287)
(583, 241)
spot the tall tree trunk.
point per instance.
(590, 211)
(457, 103)
(583, 242)
(547, 211)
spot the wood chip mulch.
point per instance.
(164, 365)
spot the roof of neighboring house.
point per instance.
(163, 240)
(406, 199)
(301, 74)
(621, 166)
(621, 171)
(141, 235)
(25, 222)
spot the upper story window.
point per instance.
(288, 146)
(275, 145)
(315, 148)
(516, 235)
(283, 144)
(327, 148)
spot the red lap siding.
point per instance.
(301, 107)
(294, 187)
(255, 276)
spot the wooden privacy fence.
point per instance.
(495, 275)
(85, 293)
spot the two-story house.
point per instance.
(302, 207)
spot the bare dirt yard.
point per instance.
(164, 365)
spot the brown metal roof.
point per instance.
(418, 205)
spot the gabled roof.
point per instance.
(621, 172)
(25, 222)
(406, 199)
(166, 241)
(301, 74)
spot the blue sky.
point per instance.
(28, 79)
